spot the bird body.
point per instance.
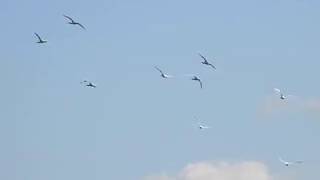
(91, 85)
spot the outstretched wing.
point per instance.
(298, 162)
(81, 26)
(283, 161)
(212, 66)
(68, 18)
(200, 83)
(158, 69)
(38, 36)
(205, 59)
(84, 81)
(277, 90)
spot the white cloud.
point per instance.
(220, 171)
(272, 106)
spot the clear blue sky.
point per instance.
(136, 123)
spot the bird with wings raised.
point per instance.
(40, 40)
(195, 78)
(282, 96)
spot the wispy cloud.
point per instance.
(219, 171)
(272, 105)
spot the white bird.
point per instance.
(71, 21)
(195, 78)
(206, 62)
(41, 41)
(201, 126)
(89, 84)
(282, 96)
(286, 163)
(163, 75)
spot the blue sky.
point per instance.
(135, 123)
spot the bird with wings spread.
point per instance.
(206, 62)
(287, 163)
(162, 74)
(282, 96)
(71, 21)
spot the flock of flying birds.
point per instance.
(70, 21)
(193, 78)
(205, 61)
(202, 126)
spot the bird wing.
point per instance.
(212, 66)
(84, 81)
(169, 76)
(81, 26)
(298, 162)
(38, 36)
(277, 90)
(200, 83)
(205, 59)
(158, 69)
(292, 96)
(68, 18)
(283, 161)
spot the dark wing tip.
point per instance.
(158, 69)
(82, 26)
(68, 17)
(38, 36)
(201, 56)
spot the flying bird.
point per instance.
(206, 62)
(282, 96)
(41, 41)
(195, 78)
(163, 75)
(71, 21)
(202, 126)
(286, 163)
(88, 84)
